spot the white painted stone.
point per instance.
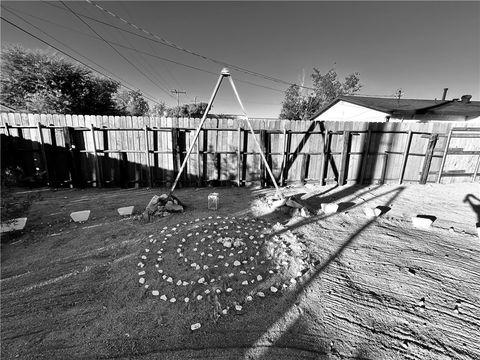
(179, 282)
(238, 307)
(146, 286)
(259, 278)
(218, 291)
(160, 271)
(163, 297)
(141, 280)
(273, 289)
(329, 208)
(170, 280)
(164, 277)
(143, 257)
(207, 291)
(172, 300)
(224, 311)
(293, 281)
(245, 282)
(80, 216)
(185, 283)
(141, 273)
(205, 267)
(221, 256)
(125, 211)
(237, 263)
(243, 272)
(186, 299)
(201, 280)
(261, 294)
(249, 298)
(229, 290)
(199, 297)
(155, 293)
(421, 223)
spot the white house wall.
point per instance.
(345, 111)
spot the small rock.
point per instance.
(261, 294)
(179, 282)
(238, 307)
(186, 299)
(141, 273)
(170, 280)
(172, 300)
(249, 298)
(141, 280)
(199, 297)
(224, 311)
(229, 290)
(155, 293)
(273, 289)
(195, 326)
(259, 278)
(236, 263)
(201, 280)
(163, 297)
(245, 282)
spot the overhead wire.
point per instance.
(73, 57)
(118, 52)
(146, 53)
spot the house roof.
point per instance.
(394, 106)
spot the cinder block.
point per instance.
(80, 216)
(13, 225)
(125, 211)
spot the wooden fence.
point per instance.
(141, 151)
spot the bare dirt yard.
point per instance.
(260, 283)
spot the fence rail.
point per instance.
(70, 150)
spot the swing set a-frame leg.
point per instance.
(225, 73)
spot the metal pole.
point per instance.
(256, 141)
(224, 73)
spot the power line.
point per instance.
(72, 49)
(118, 52)
(74, 58)
(140, 51)
(175, 46)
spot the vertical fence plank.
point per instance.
(44, 154)
(444, 157)
(147, 155)
(342, 177)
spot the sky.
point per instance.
(416, 47)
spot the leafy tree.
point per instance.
(158, 109)
(188, 110)
(37, 82)
(326, 87)
(132, 103)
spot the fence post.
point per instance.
(205, 156)
(147, 154)
(245, 157)
(175, 152)
(405, 156)
(366, 149)
(73, 154)
(342, 177)
(263, 136)
(44, 154)
(326, 156)
(199, 173)
(444, 157)
(428, 158)
(97, 176)
(239, 154)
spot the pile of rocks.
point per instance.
(162, 205)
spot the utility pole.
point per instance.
(178, 92)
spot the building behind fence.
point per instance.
(78, 151)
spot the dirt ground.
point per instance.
(368, 288)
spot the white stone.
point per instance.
(329, 208)
(245, 282)
(224, 311)
(421, 222)
(236, 263)
(141, 273)
(273, 289)
(172, 300)
(205, 267)
(185, 283)
(249, 298)
(144, 257)
(146, 286)
(186, 299)
(221, 256)
(80, 216)
(141, 280)
(163, 297)
(125, 211)
(170, 280)
(193, 264)
(179, 282)
(201, 280)
(227, 244)
(218, 291)
(160, 271)
(229, 290)
(199, 297)
(259, 278)
(196, 326)
(155, 293)
(238, 307)
(261, 294)
(164, 276)
(293, 281)
(207, 291)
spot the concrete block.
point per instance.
(125, 211)
(80, 216)
(329, 208)
(371, 213)
(13, 225)
(421, 222)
